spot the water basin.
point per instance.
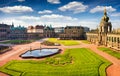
(38, 53)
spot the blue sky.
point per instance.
(59, 12)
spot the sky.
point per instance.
(59, 13)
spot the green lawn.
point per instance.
(64, 42)
(85, 41)
(74, 62)
(109, 51)
(17, 41)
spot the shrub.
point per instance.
(48, 43)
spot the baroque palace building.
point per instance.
(104, 34)
(18, 32)
(72, 32)
(35, 32)
(4, 31)
(40, 31)
(49, 31)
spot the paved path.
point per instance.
(113, 70)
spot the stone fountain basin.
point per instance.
(39, 53)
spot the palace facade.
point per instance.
(4, 31)
(73, 32)
(49, 31)
(104, 35)
(18, 32)
(35, 32)
(40, 31)
(11, 32)
(58, 31)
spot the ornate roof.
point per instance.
(49, 27)
(30, 27)
(4, 25)
(78, 27)
(18, 28)
(105, 17)
(39, 27)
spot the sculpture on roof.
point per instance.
(105, 25)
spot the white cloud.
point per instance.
(16, 22)
(45, 12)
(89, 23)
(101, 9)
(76, 7)
(54, 19)
(115, 24)
(57, 18)
(21, 0)
(54, 1)
(115, 14)
(48, 18)
(16, 9)
(29, 18)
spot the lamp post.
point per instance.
(30, 50)
(40, 47)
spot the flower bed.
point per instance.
(50, 43)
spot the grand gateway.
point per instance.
(104, 35)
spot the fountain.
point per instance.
(40, 53)
(40, 48)
(30, 50)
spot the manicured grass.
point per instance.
(74, 62)
(110, 51)
(85, 41)
(17, 41)
(64, 42)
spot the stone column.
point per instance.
(112, 42)
(118, 41)
(106, 39)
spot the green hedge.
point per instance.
(110, 51)
(18, 41)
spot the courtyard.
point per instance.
(77, 58)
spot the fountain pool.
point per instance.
(39, 53)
